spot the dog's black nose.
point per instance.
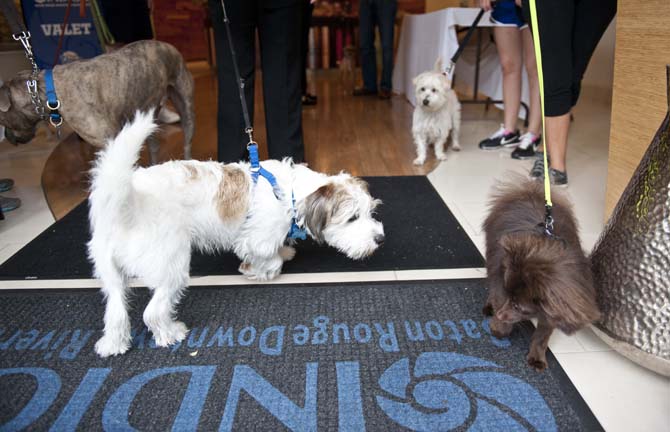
(379, 239)
(426, 102)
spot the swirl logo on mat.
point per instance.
(448, 390)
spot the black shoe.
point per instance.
(537, 172)
(308, 99)
(500, 139)
(6, 184)
(527, 148)
(558, 178)
(384, 94)
(362, 91)
(8, 204)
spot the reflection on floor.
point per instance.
(368, 136)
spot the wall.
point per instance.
(599, 75)
(639, 101)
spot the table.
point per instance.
(426, 37)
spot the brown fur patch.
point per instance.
(319, 206)
(191, 171)
(232, 199)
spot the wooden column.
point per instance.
(639, 101)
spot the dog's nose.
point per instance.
(379, 239)
(426, 102)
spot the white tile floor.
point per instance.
(622, 395)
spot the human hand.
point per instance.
(518, 3)
(485, 4)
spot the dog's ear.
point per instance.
(438, 65)
(317, 209)
(5, 99)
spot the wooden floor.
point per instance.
(361, 135)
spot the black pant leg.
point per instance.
(280, 30)
(231, 138)
(592, 17)
(556, 21)
(307, 10)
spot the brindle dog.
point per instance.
(98, 96)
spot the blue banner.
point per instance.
(44, 20)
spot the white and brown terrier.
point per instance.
(145, 222)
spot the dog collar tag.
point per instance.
(297, 233)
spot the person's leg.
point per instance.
(508, 42)
(534, 112)
(592, 17)
(230, 122)
(307, 9)
(556, 22)
(279, 31)
(366, 18)
(386, 13)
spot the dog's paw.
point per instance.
(110, 345)
(441, 156)
(170, 334)
(419, 161)
(539, 363)
(287, 253)
(455, 147)
(264, 276)
(487, 310)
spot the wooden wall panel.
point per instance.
(639, 97)
(182, 24)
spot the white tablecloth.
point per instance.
(426, 37)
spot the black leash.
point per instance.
(252, 147)
(240, 81)
(20, 34)
(465, 41)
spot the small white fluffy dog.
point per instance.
(437, 113)
(145, 222)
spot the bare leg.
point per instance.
(537, 357)
(456, 129)
(534, 115)
(557, 139)
(508, 40)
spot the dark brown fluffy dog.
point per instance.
(532, 275)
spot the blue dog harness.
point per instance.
(52, 103)
(295, 232)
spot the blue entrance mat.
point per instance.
(350, 357)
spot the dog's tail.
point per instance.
(111, 176)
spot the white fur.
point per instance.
(145, 222)
(437, 113)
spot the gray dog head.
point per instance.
(17, 113)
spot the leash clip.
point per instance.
(548, 221)
(450, 68)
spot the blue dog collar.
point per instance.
(53, 104)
